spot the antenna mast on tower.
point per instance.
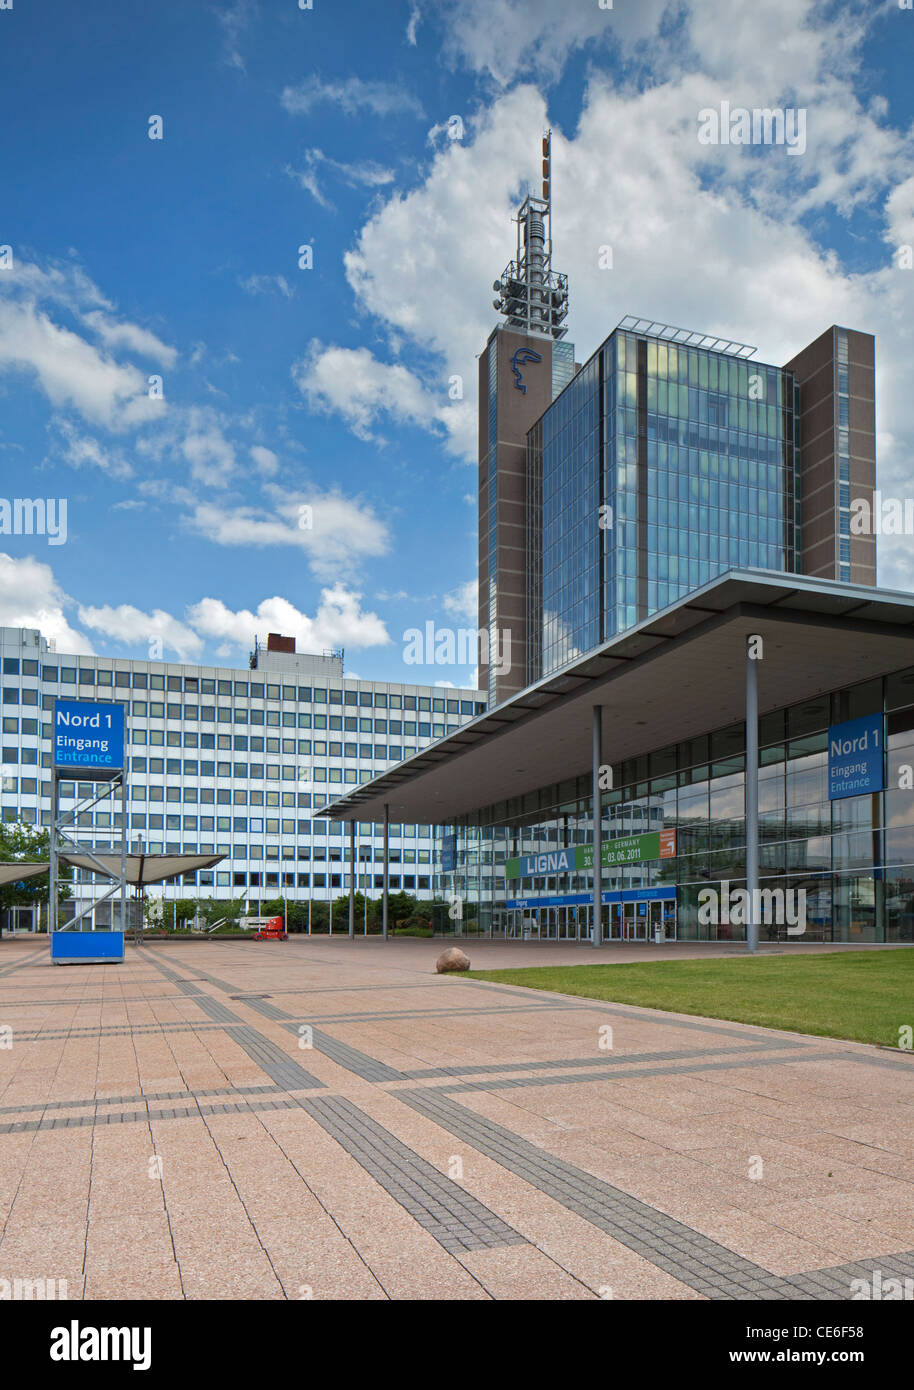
(532, 296)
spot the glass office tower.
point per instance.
(661, 465)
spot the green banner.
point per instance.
(629, 849)
(632, 849)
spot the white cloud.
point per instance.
(234, 19)
(122, 334)
(73, 372)
(462, 601)
(211, 456)
(335, 532)
(415, 15)
(354, 384)
(266, 284)
(134, 627)
(85, 451)
(265, 460)
(338, 622)
(30, 596)
(351, 95)
(713, 238)
(503, 38)
(365, 173)
(70, 371)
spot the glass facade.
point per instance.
(843, 481)
(657, 468)
(853, 858)
(492, 467)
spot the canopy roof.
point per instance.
(15, 872)
(143, 869)
(677, 675)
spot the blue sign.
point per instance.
(856, 756)
(86, 947)
(556, 861)
(88, 738)
(665, 893)
(448, 854)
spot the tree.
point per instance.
(29, 844)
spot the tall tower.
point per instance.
(836, 414)
(525, 364)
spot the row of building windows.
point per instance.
(273, 772)
(226, 878)
(224, 714)
(193, 685)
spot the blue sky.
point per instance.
(328, 388)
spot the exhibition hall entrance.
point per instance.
(652, 919)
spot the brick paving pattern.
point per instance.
(160, 1136)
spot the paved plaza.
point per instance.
(329, 1119)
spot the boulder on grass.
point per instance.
(451, 959)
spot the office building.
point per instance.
(608, 491)
(696, 639)
(230, 761)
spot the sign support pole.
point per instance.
(597, 827)
(752, 924)
(53, 864)
(386, 882)
(352, 880)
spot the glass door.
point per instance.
(628, 921)
(615, 922)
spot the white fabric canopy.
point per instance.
(143, 869)
(15, 872)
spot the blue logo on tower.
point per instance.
(522, 356)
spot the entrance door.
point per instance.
(641, 921)
(656, 921)
(615, 922)
(628, 921)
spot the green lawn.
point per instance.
(864, 995)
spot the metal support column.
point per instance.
(385, 892)
(123, 884)
(597, 827)
(753, 646)
(53, 865)
(351, 879)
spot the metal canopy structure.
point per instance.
(140, 870)
(143, 869)
(684, 337)
(63, 828)
(678, 674)
(12, 872)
